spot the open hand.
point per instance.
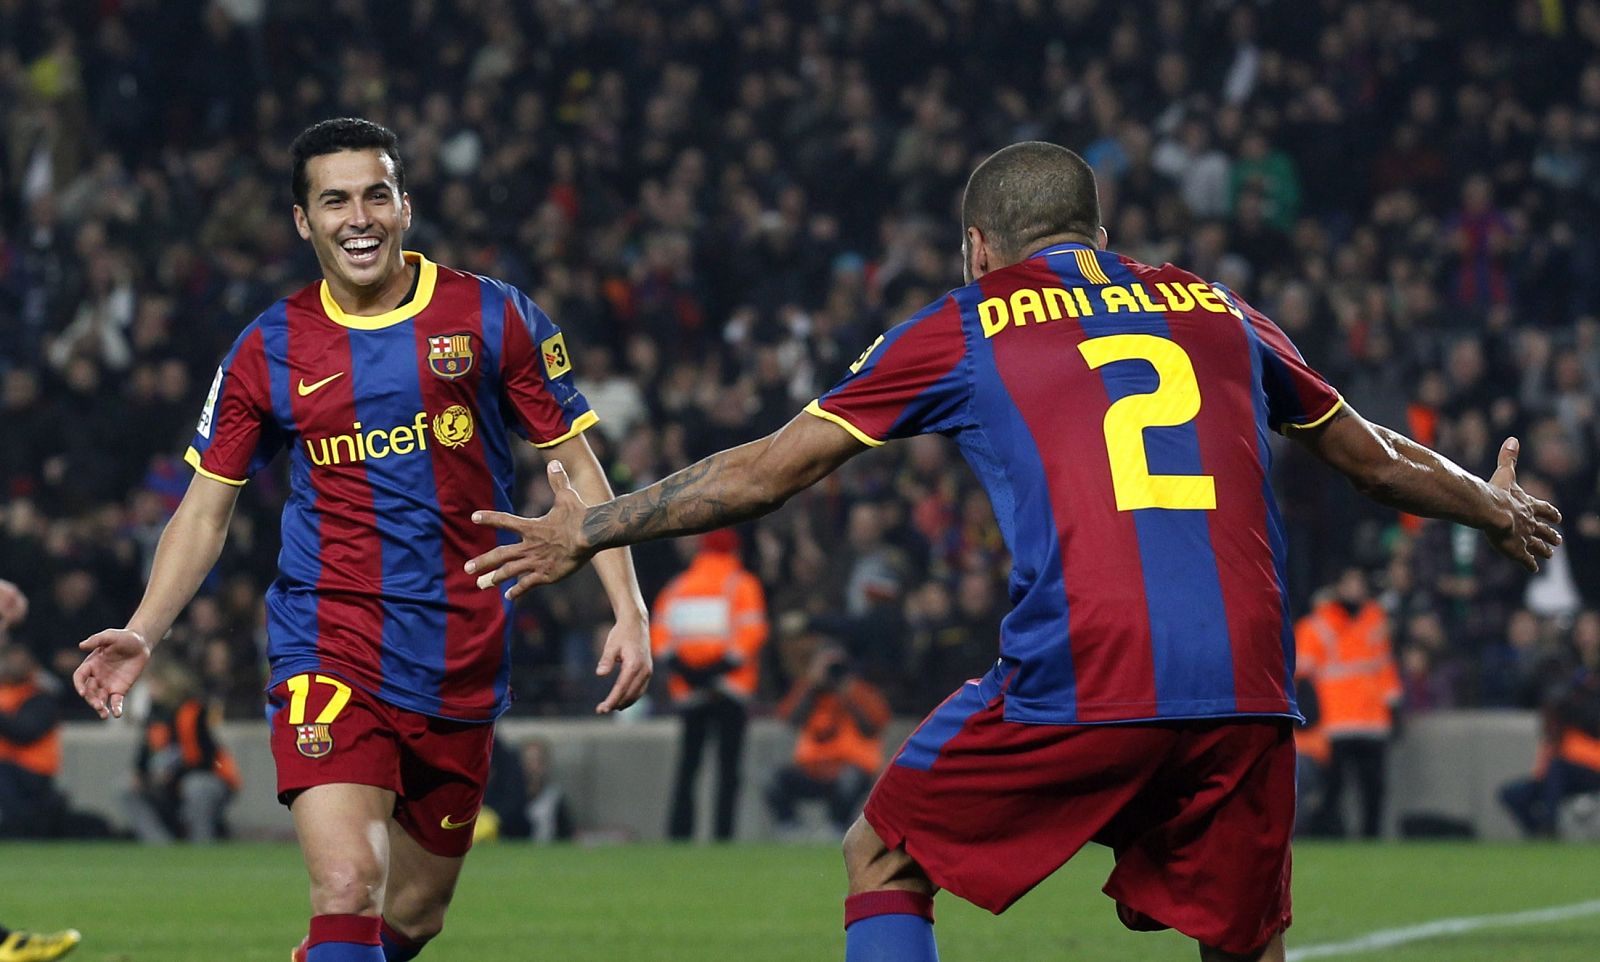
(1531, 533)
(116, 658)
(547, 548)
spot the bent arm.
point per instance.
(726, 488)
(188, 550)
(615, 566)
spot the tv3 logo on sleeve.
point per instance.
(556, 360)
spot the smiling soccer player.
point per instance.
(394, 385)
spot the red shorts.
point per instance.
(325, 731)
(1199, 813)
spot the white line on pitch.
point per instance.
(1387, 938)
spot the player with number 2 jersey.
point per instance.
(1118, 416)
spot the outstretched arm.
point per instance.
(726, 488)
(189, 548)
(1399, 472)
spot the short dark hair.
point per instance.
(342, 133)
(1029, 192)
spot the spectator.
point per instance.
(529, 802)
(839, 720)
(707, 631)
(183, 777)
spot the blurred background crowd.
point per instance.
(722, 202)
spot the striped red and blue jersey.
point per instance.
(397, 428)
(1118, 416)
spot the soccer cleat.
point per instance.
(38, 947)
(299, 953)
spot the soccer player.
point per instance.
(392, 383)
(1118, 415)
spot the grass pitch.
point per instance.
(766, 904)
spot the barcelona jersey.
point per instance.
(1118, 416)
(397, 427)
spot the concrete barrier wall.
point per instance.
(618, 775)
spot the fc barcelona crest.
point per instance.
(450, 355)
(313, 741)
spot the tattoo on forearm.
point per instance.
(701, 497)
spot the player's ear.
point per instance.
(405, 211)
(1102, 239)
(301, 223)
(979, 256)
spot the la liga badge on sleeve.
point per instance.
(450, 355)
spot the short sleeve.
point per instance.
(1297, 396)
(236, 435)
(912, 380)
(539, 387)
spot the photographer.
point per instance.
(840, 719)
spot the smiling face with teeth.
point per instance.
(355, 217)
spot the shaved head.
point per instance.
(1028, 193)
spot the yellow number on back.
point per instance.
(1176, 400)
(300, 688)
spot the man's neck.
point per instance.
(381, 299)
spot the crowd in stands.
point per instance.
(723, 202)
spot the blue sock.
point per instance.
(344, 952)
(396, 947)
(889, 926)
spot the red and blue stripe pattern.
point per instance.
(1148, 555)
(389, 455)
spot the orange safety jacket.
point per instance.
(1352, 667)
(42, 756)
(714, 610)
(830, 738)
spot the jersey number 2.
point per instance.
(300, 688)
(1176, 400)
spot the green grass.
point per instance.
(766, 903)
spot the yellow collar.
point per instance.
(425, 282)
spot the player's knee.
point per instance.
(347, 887)
(420, 927)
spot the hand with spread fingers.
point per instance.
(1530, 529)
(547, 549)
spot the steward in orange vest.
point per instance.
(1342, 646)
(707, 631)
(1568, 762)
(30, 745)
(183, 777)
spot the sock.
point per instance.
(396, 947)
(344, 938)
(889, 926)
